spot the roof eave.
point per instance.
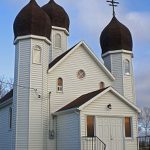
(6, 103)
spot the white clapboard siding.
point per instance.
(128, 80)
(5, 131)
(72, 86)
(119, 109)
(31, 112)
(117, 71)
(124, 84)
(21, 95)
(68, 132)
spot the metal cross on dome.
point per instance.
(114, 4)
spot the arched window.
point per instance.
(37, 54)
(127, 67)
(58, 40)
(59, 84)
(102, 85)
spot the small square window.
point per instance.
(37, 55)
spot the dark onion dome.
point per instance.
(57, 14)
(115, 36)
(32, 20)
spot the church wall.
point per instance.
(38, 119)
(107, 62)
(68, 132)
(56, 51)
(31, 105)
(74, 87)
(119, 109)
(124, 84)
(5, 131)
(128, 80)
(116, 70)
(21, 95)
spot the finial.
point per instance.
(114, 4)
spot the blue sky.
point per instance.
(88, 18)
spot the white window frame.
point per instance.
(38, 49)
(60, 88)
(58, 41)
(127, 67)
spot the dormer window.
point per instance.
(127, 67)
(58, 40)
(59, 85)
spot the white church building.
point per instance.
(67, 99)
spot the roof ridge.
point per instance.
(57, 59)
(82, 99)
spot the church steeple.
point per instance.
(116, 44)
(115, 35)
(60, 27)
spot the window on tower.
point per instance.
(127, 67)
(59, 85)
(58, 40)
(37, 54)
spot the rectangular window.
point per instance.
(127, 126)
(37, 51)
(90, 126)
(10, 117)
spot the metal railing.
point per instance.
(143, 143)
(92, 143)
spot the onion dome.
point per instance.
(115, 36)
(57, 14)
(32, 20)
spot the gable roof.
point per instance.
(8, 96)
(81, 100)
(57, 59)
(84, 100)
(62, 57)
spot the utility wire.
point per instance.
(18, 86)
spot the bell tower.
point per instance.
(60, 27)
(116, 44)
(32, 29)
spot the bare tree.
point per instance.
(144, 119)
(5, 85)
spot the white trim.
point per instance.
(65, 111)
(62, 29)
(32, 37)
(91, 54)
(117, 51)
(116, 93)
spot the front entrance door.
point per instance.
(110, 131)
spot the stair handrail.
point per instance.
(104, 145)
